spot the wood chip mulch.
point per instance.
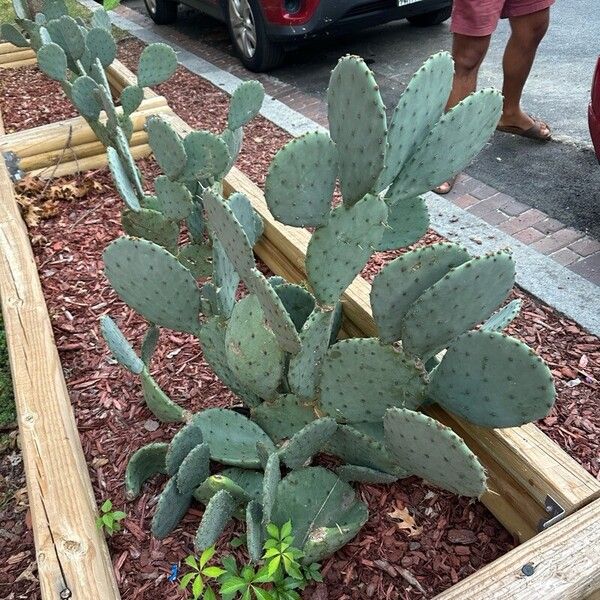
(432, 540)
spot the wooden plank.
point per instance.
(19, 63)
(564, 560)
(8, 48)
(524, 465)
(17, 56)
(71, 552)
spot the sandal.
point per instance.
(450, 182)
(534, 132)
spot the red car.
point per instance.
(594, 111)
(261, 30)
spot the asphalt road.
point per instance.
(562, 178)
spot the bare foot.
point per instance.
(445, 187)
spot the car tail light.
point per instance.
(289, 12)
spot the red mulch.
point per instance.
(458, 535)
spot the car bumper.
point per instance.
(340, 16)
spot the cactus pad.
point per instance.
(465, 296)
(161, 406)
(301, 180)
(171, 508)
(54, 9)
(307, 442)
(282, 417)
(503, 318)
(68, 35)
(147, 461)
(361, 379)
(247, 217)
(120, 176)
(101, 45)
(154, 283)
(131, 98)
(100, 18)
(338, 251)
(254, 530)
(173, 199)
(315, 499)
(167, 147)
(404, 279)
(157, 64)
(253, 354)
(426, 448)
(407, 222)
(194, 469)
(304, 371)
(9, 33)
(232, 438)
(271, 480)
(418, 110)
(52, 61)
(233, 140)
(207, 156)
(83, 95)
(245, 104)
(119, 346)
(249, 481)
(298, 302)
(218, 513)
(363, 474)
(493, 380)
(151, 225)
(183, 442)
(225, 279)
(215, 483)
(149, 343)
(358, 126)
(197, 258)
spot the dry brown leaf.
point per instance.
(405, 521)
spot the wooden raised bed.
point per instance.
(533, 482)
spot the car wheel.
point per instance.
(249, 37)
(435, 17)
(162, 12)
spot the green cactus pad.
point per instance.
(232, 438)
(225, 279)
(207, 156)
(426, 448)
(149, 460)
(101, 45)
(149, 343)
(465, 296)
(194, 469)
(304, 370)
(358, 126)
(503, 318)
(419, 108)
(217, 514)
(215, 483)
(173, 199)
(254, 530)
(363, 474)
(253, 354)
(493, 380)
(195, 222)
(407, 222)
(151, 225)
(212, 338)
(119, 345)
(52, 61)
(247, 217)
(197, 258)
(282, 417)
(307, 442)
(208, 295)
(451, 145)
(275, 314)
(161, 406)
(338, 251)
(154, 283)
(68, 35)
(131, 98)
(361, 379)
(157, 63)
(234, 140)
(9, 33)
(183, 442)
(301, 181)
(54, 9)
(250, 483)
(358, 448)
(167, 147)
(120, 175)
(324, 541)
(101, 19)
(84, 97)
(314, 500)
(245, 104)
(298, 302)
(171, 508)
(403, 280)
(271, 480)
(21, 10)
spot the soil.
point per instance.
(441, 539)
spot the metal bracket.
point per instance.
(555, 511)
(12, 165)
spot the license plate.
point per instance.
(405, 2)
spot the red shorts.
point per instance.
(480, 17)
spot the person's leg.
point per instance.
(468, 53)
(527, 33)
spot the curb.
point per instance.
(541, 276)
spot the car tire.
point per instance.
(162, 12)
(435, 17)
(244, 18)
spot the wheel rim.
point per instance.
(243, 26)
(151, 6)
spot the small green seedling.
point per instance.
(196, 579)
(280, 556)
(109, 519)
